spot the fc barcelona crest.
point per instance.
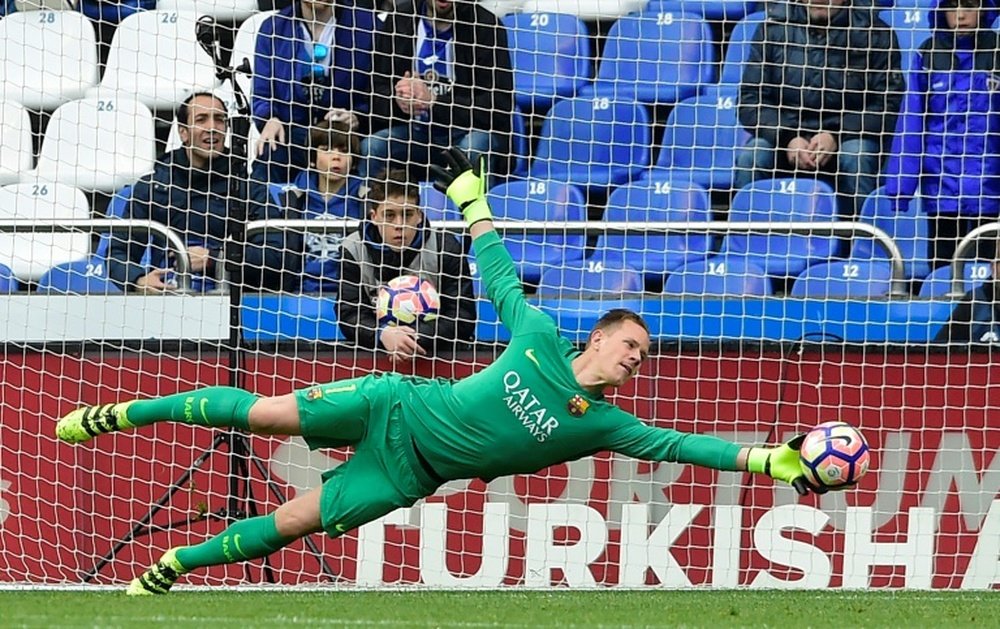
(577, 406)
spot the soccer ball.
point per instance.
(834, 455)
(406, 299)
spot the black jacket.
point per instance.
(456, 321)
(843, 78)
(482, 94)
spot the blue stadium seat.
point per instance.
(656, 200)
(540, 201)
(728, 10)
(938, 283)
(591, 279)
(8, 283)
(738, 48)
(519, 144)
(782, 200)
(701, 138)
(719, 277)
(851, 279)
(86, 276)
(550, 55)
(657, 58)
(908, 229)
(436, 205)
(912, 27)
(593, 143)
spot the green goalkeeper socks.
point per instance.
(246, 539)
(218, 407)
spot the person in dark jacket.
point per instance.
(396, 241)
(190, 191)
(976, 319)
(442, 77)
(312, 62)
(106, 15)
(820, 94)
(948, 140)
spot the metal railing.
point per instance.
(959, 261)
(90, 225)
(834, 228)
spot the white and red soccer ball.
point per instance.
(834, 455)
(405, 300)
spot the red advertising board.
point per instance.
(927, 516)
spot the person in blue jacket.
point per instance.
(312, 62)
(948, 136)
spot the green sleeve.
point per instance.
(503, 287)
(638, 440)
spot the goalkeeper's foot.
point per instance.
(159, 578)
(90, 421)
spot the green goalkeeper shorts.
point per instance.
(385, 472)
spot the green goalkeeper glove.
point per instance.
(782, 463)
(464, 184)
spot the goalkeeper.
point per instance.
(540, 403)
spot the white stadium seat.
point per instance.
(222, 10)
(15, 142)
(501, 8)
(98, 144)
(24, 6)
(155, 58)
(244, 45)
(30, 255)
(589, 10)
(47, 58)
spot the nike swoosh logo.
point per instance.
(201, 408)
(530, 353)
(845, 438)
(340, 528)
(236, 543)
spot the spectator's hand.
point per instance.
(422, 94)
(271, 136)
(154, 282)
(823, 146)
(404, 94)
(799, 155)
(200, 258)
(401, 342)
(342, 115)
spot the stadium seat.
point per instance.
(938, 283)
(98, 144)
(658, 58)
(500, 8)
(589, 10)
(436, 205)
(738, 48)
(222, 10)
(844, 279)
(23, 6)
(550, 55)
(701, 138)
(728, 10)
(47, 58)
(774, 200)
(593, 143)
(912, 28)
(8, 283)
(16, 154)
(520, 144)
(156, 59)
(80, 277)
(591, 279)
(656, 200)
(719, 276)
(244, 45)
(537, 200)
(30, 255)
(908, 229)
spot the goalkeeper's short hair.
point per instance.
(614, 318)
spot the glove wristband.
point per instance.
(757, 459)
(478, 210)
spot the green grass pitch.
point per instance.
(510, 608)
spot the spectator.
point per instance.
(442, 78)
(106, 16)
(397, 240)
(7, 7)
(976, 319)
(312, 63)
(190, 191)
(820, 93)
(328, 189)
(948, 140)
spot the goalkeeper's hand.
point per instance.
(782, 463)
(464, 184)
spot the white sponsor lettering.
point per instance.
(527, 409)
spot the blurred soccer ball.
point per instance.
(834, 455)
(405, 300)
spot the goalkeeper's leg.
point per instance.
(244, 540)
(218, 407)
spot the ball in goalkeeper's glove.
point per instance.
(782, 463)
(464, 184)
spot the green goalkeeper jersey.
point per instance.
(526, 411)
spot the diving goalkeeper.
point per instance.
(540, 403)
